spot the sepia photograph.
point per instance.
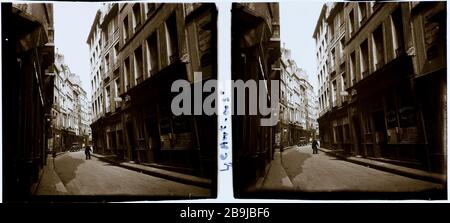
(87, 101)
(358, 94)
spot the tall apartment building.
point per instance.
(297, 104)
(95, 56)
(386, 88)
(70, 112)
(27, 91)
(137, 51)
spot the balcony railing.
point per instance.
(116, 34)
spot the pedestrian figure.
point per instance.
(315, 146)
(87, 151)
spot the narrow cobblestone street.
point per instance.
(323, 173)
(94, 177)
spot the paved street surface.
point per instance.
(323, 173)
(95, 177)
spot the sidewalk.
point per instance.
(392, 168)
(276, 177)
(166, 174)
(50, 183)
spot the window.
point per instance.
(107, 99)
(331, 28)
(150, 9)
(352, 67)
(333, 53)
(352, 23)
(111, 27)
(362, 11)
(344, 81)
(397, 31)
(116, 52)
(378, 47)
(137, 16)
(106, 35)
(117, 87)
(341, 18)
(434, 22)
(205, 27)
(126, 71)
(364, 59)
(171, 38)
(334, 92)
(152, 54)
(106, 63)
(138, 65)
(125, 29)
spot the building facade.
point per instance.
(381, 108)
(255, 56)
(27, 79)
(298, 116)
(143, 48)
(70, 113)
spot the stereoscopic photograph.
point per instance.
(87, 101)
(358, 94)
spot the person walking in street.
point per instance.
(87, 151)
(315, 146)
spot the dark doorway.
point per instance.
(130, 133)
(357, 134)
(380, 133)
(151, 126)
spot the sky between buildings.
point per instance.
(73, 22)
(297, 23)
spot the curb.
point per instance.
(49, 175)
(403, 171)
(169, 175)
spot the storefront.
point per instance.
(387, 117)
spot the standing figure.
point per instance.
(315, 146)
(87, 151)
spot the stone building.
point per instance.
(297, 104)
(381, 107)
(143, 49)
(255, 56)
(70, 113)
(27, 88)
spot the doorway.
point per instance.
(151, 126)
(357, 134)
(131, 141)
